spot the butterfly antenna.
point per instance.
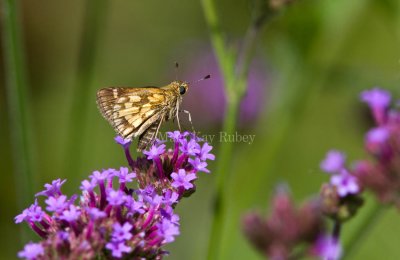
(176, 70)
(197, 81)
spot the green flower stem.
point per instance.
(235, 73)
(18, 107)
(375, 212)
(83, 95)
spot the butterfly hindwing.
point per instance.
(148, 136)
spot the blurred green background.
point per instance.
(317, 55)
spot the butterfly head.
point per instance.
(181, 87)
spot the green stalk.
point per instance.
(18, 106)
(235, 72)
(94, 21)
(222, 171)
(358, 236)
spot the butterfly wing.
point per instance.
(148, 136)
(131, 111)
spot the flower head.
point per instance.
(276, 235)
(124, 222)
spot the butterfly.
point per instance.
(140, 112)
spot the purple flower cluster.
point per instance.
(109, 220)
(382, 174)
(289, 228)
(173, 169)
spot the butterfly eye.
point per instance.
(182, 89)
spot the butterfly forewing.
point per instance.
(131, 110)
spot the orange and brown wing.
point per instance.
(131, 110)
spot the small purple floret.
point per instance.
(199, 165)
(115, 197)
(190, 148)
(377, 135)
(345, 183)
(175, 136)
(124, 142)
(52, 189)
(155, 151)
(124, 175)
(333, 162)
(121, 233)
(376, 98)
(168, 230)
(71, 215)
(95, 213)
(31, 251)
(118, 248)
(56, 204)
(88, 185)
(204, 152)
(181, 179)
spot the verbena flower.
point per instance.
(162, 168)
(111, 220)
(202, 103)
(286, 228)
(381, 174)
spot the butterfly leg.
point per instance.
(177, 117)
(159, 125)
(190, 119)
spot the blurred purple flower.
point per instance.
(207, 97)
(327, 248)
(333, 162)
(31, 251)
(345, 183)
(277, 235)
(382, 175)
(378, 100)
(376, 138)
